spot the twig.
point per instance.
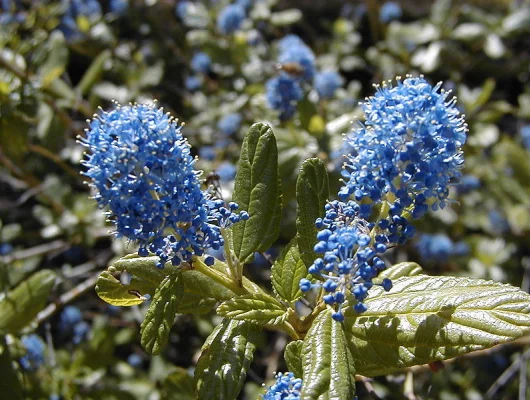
(367, 382)
(34, 251)
(66, 298)
(522, 379)
(507, 375)
(56, 159)
(408, 389)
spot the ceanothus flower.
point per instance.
(230, 18)
(349, 262)
(327, 82)
(142, 170)
(408, 152)
(34, 356)
(230, 123)
(294, 52)
(201, 62)
(286, 387)
(283, 93)
(439, 247)
(390, 11)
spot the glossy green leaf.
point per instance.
(178, 385)
(312, 192)
(287, 272)
(22, 304)
(199, 284)
(257, 189)
(425, 319)
(328, 366)
(400, 270)
(224, 361)
(293, 357)
(161, 315)
(112, 291)
(259, 308)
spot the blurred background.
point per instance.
(219, 66)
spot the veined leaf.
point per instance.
(258, 308)
(224, 361)
(328, 366)
(425, 319)
(293, 357)
(257, 189)
(161, 315)
(112, 291)
(287, 272)
(312, 192)
(22, 304)
(400, 270)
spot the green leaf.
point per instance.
(112, 291)
(9, 384)
(258, 308)
(328, 366)
(425, 319)
(56, 59)
(287, 272)
(94, 72)
(257, 189)
(293, 357)
(199, 284)
(22, 304)
(224, 361)
(161, 315)
(312, 192)
(399, 270)
(178, 386)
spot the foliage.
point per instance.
(227, 309)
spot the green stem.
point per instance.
(218, 277)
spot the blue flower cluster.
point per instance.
(408, 152)
(296, 54)
(230, 123)
(34, 356)
(71, 324)
(142, 169)
(11, 12)
(296, 62)
(439, 247)
(327, 82)
(390, 11)
(283, 93)
(230, 18)
(201, 62)
(286, 387)
(350, 261)
(525, 135)
(404, 158)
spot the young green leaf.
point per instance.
(312, 192)
(22, 304)
(328, 366)
(161, 315)
(257, 189)
(224, 361)
(112, 291)
(259, 308)
(287, 272)
(293, 357)
(425, 319)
